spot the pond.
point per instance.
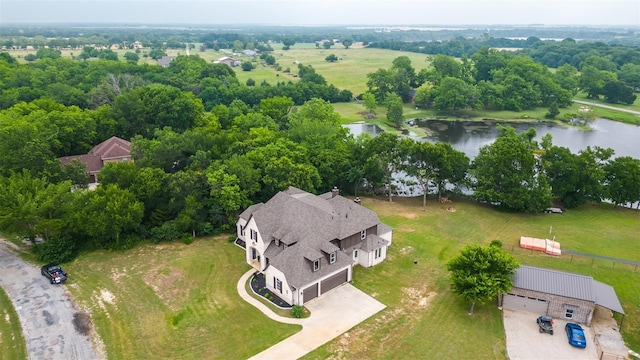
(470, 136)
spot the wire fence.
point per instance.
(583, 258)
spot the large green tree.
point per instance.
(506, 172)
(481, 273)
(31, 206)
(622, 180)
(393, 103)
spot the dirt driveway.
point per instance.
(46, 311)
(525, 342)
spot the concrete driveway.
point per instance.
(332, 314)
(45, 311)
(524, 341)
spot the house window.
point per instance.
(568, 313)
(254, 235)
(277, 242)
(363, 234)
(242, 232)
(277, 284)
(332, 257)
(377, 253)
(316, 265)
(355, 254)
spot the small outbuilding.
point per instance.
(559, 294)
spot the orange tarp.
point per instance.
(547, 246)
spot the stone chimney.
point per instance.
(335, 192)
(357, 200)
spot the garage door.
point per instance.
(310, 293)
(514, 302)
(335, 280)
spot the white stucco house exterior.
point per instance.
(307, 244)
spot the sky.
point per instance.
(325, 12)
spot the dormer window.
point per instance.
(363, 234)
(332, 257)
(316, 265)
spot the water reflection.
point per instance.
(470, 136)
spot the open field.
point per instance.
(350, 72)
(172, 301)
(11, 340)
(424, 319)
(144, 299)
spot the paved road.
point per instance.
(607, 107)
(46, 311)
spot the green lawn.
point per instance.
(173, 301)
(180, 301)
(11, 340)
(349, 72)
(439, 325)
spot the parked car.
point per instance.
(576, 335)
(545, 324)
(54, 273)
(554, 210)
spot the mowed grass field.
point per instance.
(423, 319)
(12, 343)
(180, 301)
(172, 301)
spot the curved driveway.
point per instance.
(46, 311)
(332, 314)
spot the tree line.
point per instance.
(197, 166)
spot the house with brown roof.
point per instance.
(111, 150)
(559, 294)
(306, 245)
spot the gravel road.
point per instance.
(46, 311)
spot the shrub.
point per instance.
(297, 311)
(187, 239)
(57, 249)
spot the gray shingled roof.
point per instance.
(312, 222)
(555, 282)
(567, 284)
(299, 271)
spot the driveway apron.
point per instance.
(332, 314)
(45, 311)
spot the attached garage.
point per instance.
(335, 280)
(310, 293)
(534, 305)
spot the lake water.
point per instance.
(470, 136)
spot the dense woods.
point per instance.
(205, 146)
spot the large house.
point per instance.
(231, 62)
(110, 150)
(306, 245)
(559, 294)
